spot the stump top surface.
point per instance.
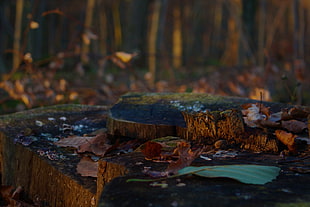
(166, 108)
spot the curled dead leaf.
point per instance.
(298, 112)
(294, 126)
(295, 113)
(254, 113)
(186, 157)
(287, 138)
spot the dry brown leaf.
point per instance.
(97, 144)
(74, 141)
(286, 138)
(299, 112)
(267, 123)
(87, 167)
(151, 150)
(294, 126)
(186, 157)
(100, 145)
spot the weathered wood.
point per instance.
(288, 189)
(209, 127)
(195, 117)
(152, 115)
(49, 182)
(56, 182)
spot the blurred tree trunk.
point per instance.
(248, 32)
(6, 31)
(177, 36)
(17, 34)
(298, 21)
(86, 32)
(152, 40)
(274, 22)
(102, 28)
(135, 21)
(117, 24)
(296, 33)
(231, 53)
(261, 33)
(248, 18)
(187, 31)
(217, 33)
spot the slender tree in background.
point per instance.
(117, 24)
(177, 36)
(87, 33)
(298, 43)
(261, 33)
(231, 54)
(152, 40)
(17, 34)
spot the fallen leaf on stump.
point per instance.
(98, 144)
(73, 141)
(253, 113)
(186, 157)
(295, 113)
(87, 167)
(287, 138)
(151, 150)
(299, 112)
(294, 126)
(249, 174)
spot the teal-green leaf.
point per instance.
(250, 174)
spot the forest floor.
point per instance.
(41, 87)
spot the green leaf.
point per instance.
(250, 174)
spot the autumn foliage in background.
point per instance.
(92, 52)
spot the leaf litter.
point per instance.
(249, 174)
(181, 157)
(285, 124)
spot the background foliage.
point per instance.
(65, 51)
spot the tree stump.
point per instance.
(49, 179)
(195, 117)
(52, 179)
